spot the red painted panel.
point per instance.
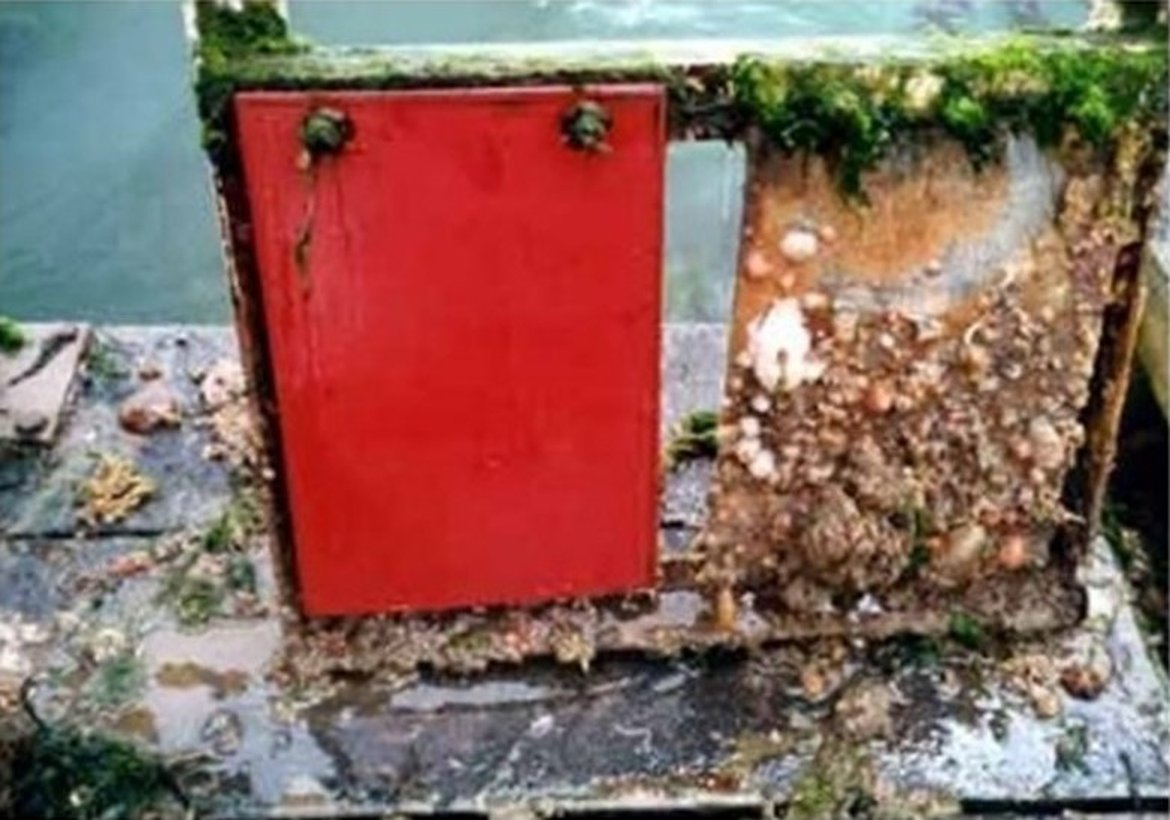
(467, 363)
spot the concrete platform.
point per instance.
(909, 724)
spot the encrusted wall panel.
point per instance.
(907, 376)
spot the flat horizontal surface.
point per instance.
(628, 59)
(36, 379)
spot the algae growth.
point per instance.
(851, 111)
(64, 771)
(227, 35)
(214, 575)
(855, 115)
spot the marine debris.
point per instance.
(112, 491)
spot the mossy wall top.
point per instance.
(849, 101)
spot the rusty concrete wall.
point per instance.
(907, 376)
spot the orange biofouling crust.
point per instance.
(940, 195)
(923, 449)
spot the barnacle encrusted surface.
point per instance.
(923, 363)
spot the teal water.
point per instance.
(105, 212)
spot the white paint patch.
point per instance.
(780, 344)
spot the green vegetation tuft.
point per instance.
(226, 37)
(838, 782)
(694, 439)
(103, 363)
(853, 115)
(967, 631)
(202, 583)
(1072, 748)
(909, 650)
(67, 773)
(196, 600)
(117, 680)
(240, 575)
(12, 337)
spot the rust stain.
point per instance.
(915, 211)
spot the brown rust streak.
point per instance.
(1115, 363)
(243, 274)
(914, 213)
(1126, 215)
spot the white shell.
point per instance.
(799, 245)
(779, 343)
(1047, 445)
(756, 265)
(750, 427)
(763, 465)
(747, 449)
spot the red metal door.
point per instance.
(463, 317)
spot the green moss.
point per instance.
(255, 28)
(63, 772)
(824, 109)
(854, 115)
(226, 36)
(103, 363)
(196, 596)
(198, 600)
(12, 336)
(1071, 750)
(117, 680)
(967, 631)
(838, 782)
(851, 112)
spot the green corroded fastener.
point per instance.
(325, 131)
(585, 126)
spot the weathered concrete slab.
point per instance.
(35, 381)
(694, 357)
(677, 732)
(191, 488)
(731, 730)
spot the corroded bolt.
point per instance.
(585, 126)
(325, 131)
